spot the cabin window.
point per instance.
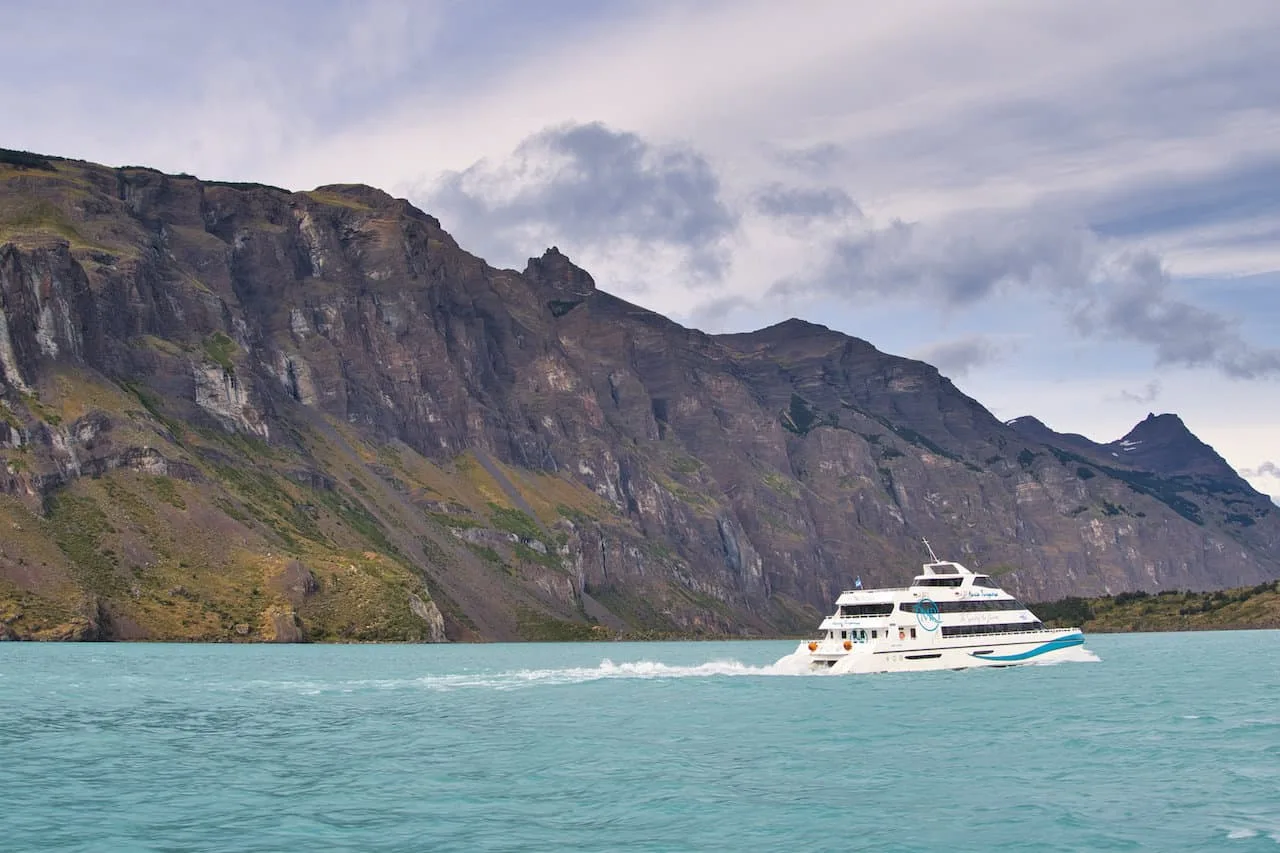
(983, 580)
(1005, 628)
(873, 633)
(866, 609)
(913, 633)
(844, 635)
(972, 605)
(923, 581)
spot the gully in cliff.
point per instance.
(948, 618)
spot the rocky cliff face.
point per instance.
(232, 411)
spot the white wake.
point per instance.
(518, 678)
(607, 669)
(1076, 654)
(792, 665)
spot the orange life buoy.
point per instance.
(813, 647)
(847, 645)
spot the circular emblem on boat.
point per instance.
(927, 614)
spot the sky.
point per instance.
(1071, 208)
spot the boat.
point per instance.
(948, 618)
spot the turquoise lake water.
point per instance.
(1169, 742)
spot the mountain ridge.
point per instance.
(1161, 444)
(406, 443)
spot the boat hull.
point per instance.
(963, 653)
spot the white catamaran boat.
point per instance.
(949, 618)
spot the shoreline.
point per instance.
(1270, 626)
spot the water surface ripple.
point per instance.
(1170, 742)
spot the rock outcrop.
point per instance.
(219, 387)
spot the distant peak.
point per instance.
(360, 191)
(554, 269)
(794, 332)
(790, 328)
(1163, 443)
(372, 198)
(796, 325)
(1032, 428)
(1166, 423)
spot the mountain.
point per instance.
(1164, 457)
(1160, 444)
(234, 412)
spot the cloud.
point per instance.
(804, 203)
(1049, 172)
(1266, 469)
(225, 91)
(818, 158)
(1148, 394)
(958, 357)
(1133, 297)
(713, 315)
(1236, 192)
(1104, 289)
(590, 189)
(954, 263)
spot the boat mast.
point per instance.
(929, 548)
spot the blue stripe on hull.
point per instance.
(1051, 646)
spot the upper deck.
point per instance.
(945, 603)
(943, 574)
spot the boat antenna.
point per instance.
(929, 548)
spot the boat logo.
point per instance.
(927, 614)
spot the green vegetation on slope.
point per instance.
(253, 542)
(1172, 610)
(25, 160)
(220, 349)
